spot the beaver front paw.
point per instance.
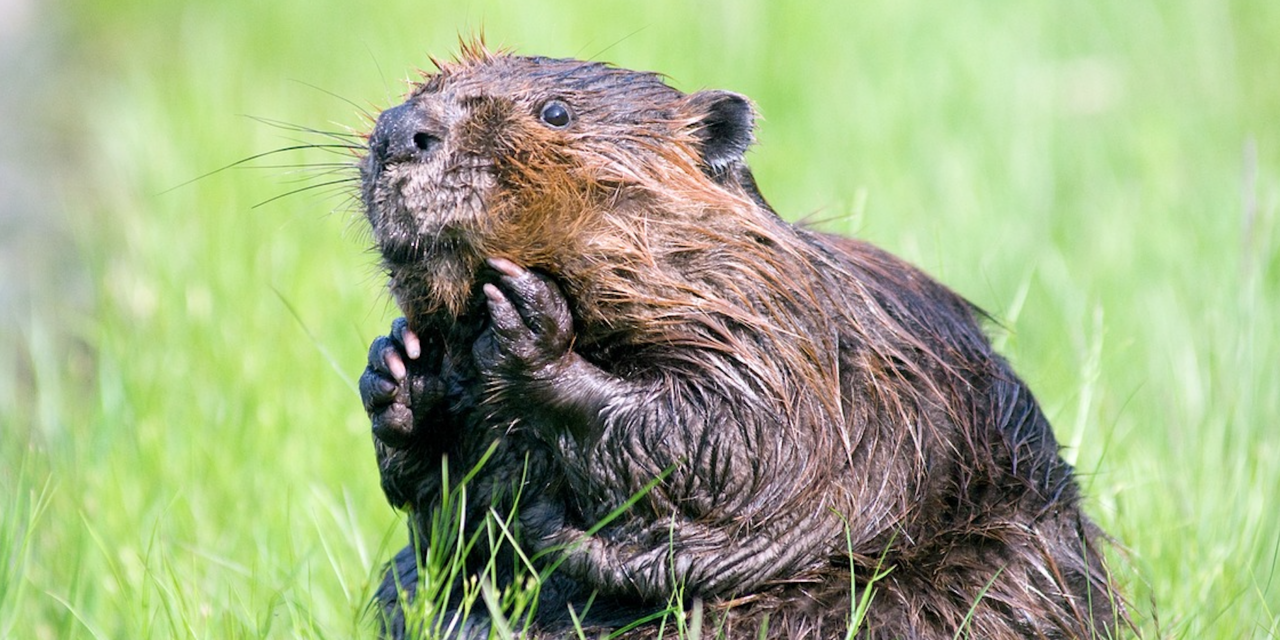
(398, 387)
(530, 328)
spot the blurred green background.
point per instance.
(183, 454)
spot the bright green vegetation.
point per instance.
(188, 457)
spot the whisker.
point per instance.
(256, 156)
(331, 94)
(333, 148)
(302, 189)
(328, 166)
(302, 175)
(349, 202)
(345, 137)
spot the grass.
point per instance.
(182, 453)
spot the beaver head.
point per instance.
(528, 157)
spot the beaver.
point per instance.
(682, 397)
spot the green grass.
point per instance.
(188, 457)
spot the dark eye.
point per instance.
(556, 114)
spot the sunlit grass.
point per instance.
(191, 460)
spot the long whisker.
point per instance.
(261, 155)
(349, 201)
(306, 188)
(306, 173)
(304, 166)
(340, 136)
(362, 110)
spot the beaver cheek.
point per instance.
(489, 127)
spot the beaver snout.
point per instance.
(405, 133)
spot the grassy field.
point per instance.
(182, 451)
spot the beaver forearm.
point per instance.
(569, 398)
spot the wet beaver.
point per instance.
(597, 296)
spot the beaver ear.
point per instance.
(724, 123)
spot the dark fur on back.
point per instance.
(826, 414)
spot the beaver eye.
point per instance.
(556, 114)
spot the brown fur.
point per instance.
(828, 408)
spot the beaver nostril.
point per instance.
(406, 133)
(425, 142)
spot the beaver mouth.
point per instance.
(417, 213)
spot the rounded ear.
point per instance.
(724, 123)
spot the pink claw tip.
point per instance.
(412, 346)
(396, 365)
(505, 266)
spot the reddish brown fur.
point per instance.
(904, 441)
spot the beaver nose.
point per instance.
(405, 133)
